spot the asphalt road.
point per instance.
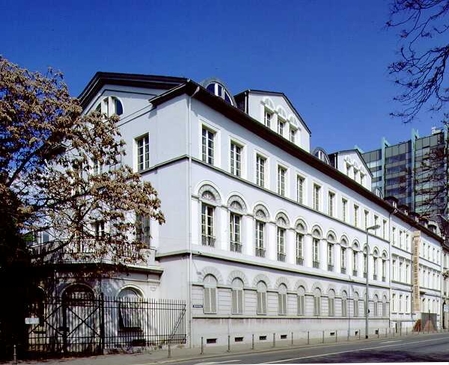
(429, 348)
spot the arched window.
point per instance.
(330, 251)
(130, 309)
(375, 263)
(331, 303)
(109, 106)
(235, 223)
(317, 302)
(301, 301)
(355, 264)
(356, 304)
(376, 305)
(261, 298)
(281, 234)
(209, 200)
(237, 296)
(261, 218)
(316, 237)
(344, 304)
(300, 232)
(384, 307)
(282, 300)
(343, 253)
(217, 88)
(210, 294)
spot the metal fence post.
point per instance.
(308, 337)
(202, 345)
(292, 338)
(15, 354)
(274, 339)
(229, 343)
(336, 336)
(252, 342)
(323, 336)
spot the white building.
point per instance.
(261, 236)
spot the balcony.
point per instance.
(299, 261)
(260, 252)
(208, 240)
(236, 247)
(316, 264)
(281, 256)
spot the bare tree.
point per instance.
(61, 174)
(424, 50)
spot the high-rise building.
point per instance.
(414, 172)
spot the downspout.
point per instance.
(390, 266)
(189, 212)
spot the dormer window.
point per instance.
(219, 90)
(293, 134)
(109, 106)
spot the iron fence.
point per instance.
(83, 324)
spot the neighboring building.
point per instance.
(414, 172)
(261, 236)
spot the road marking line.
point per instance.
(390, 342)
(341, 352)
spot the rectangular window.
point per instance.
(330, 256)
(210, 299)
(356, 307)
(281, 243)
(331, 306)
(331, 203)
(235, 235)
(316, 197)
(293, 134)
(384, 229)
(301, 304)
(344, 307)
(236, 159)
(356, 215)
(282, 173)
(316, 253)
(260, 170)
(261, 303)
(282, 304)
(237, 301)
(317, 305)
(366, 222)
(260, 244)
(299, 249)
(208, 146)
(344, 209)
(343, 260)
(99, 230)
(207, 225)
(268, 116)
(281, 126)
(143, 229)
(300, 189)
(143, 153)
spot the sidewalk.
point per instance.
(161, 356)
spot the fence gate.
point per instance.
(81, 322)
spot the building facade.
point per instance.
(261, 236)
(414, 172)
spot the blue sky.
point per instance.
(330, 57)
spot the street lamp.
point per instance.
(367, 282)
